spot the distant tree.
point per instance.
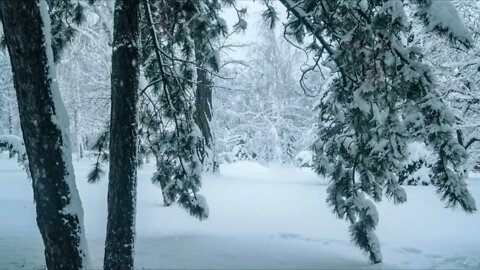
(84, 76)
(9, 122)
(260, 106)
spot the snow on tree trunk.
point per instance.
(204, 54)
(120, 240)
(45, 127)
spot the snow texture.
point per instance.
(304, 159)
(260, 218)
(60, 118)
(443, 15)
(396, 10)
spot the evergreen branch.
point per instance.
(97, 172)
(312, 29)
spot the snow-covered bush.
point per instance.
(304, 159)
(262, 103)
(239, 152)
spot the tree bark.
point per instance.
(120, 240)
(203, 107)
(203, 100)
(58, 206)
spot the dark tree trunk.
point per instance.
(119, 244)
(203, 107)
(203, 101)
(460, 137)
(46, 142)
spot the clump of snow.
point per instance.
(304, 159)
(201, 202)
(198, 165)
(363, 4)
(368, 207)
(16, 145)
(419, 150)
(419, 164)
(443, 15)
(13, 143)
(396, 9)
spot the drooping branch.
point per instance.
(302, 17)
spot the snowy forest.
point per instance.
(228, 134)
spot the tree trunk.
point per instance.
(10, 116)
(44, 124)
(119, 244)
(203, 101)
(11, 154)
(203, 109)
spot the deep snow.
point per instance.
(260, 217)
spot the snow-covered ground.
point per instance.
(260, 217)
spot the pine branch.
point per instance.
(100, 146)
(301, 16)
